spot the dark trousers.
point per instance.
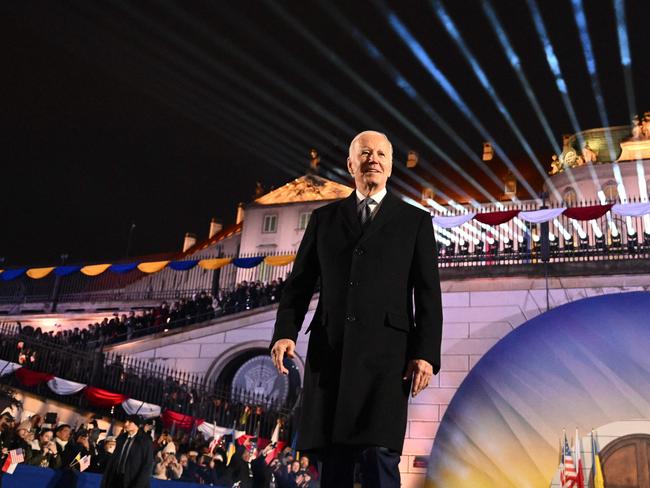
(379, 467)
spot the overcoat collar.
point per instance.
(389, 204)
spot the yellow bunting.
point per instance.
(153, 266)
(279, 260)
(215, 263)
(95, 269)
(38, 273)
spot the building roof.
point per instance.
(307, 188)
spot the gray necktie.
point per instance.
(364, 214)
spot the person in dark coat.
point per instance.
(373, 256)
(131, 464)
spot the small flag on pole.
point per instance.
(580, 480)
(596, 469)
(14, 458)
(84, 463)
(569, 475)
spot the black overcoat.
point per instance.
(139, 464)
(365, 328)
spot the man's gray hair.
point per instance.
(366, 132)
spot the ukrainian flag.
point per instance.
(596, 468)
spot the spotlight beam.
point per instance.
(515, 62)
(590, 60)
(481, 76)
(624, 52)
(426, 61)
(203, 57)
(554, 66)
(335, 59)
(407, 88)
(351, 106)
(278, 122)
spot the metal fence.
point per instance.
(181, 392)
(517, 242)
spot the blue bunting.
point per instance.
(12, 274)
(248, 262)
(66, 270)
(183, 265)
(123, 268)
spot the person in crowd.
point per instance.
(64, 446)
(100, 461)
(22, 440)
(47, 455)
(167, 467)
(240, 466)
(306, 466)
(131, 464)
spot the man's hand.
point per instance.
(277, 353)
(421, 371)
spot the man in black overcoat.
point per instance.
(375, 257)
(131, 464)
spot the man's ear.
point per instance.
(350, 167)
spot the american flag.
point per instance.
(568, 474)
(17, 456)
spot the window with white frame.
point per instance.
(303, 220)
(270, 224)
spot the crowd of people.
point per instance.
(203, 306)
(177, 456)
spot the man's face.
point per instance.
(304, 462)
(109, 446)
(295, 467)
(64, 434)
(130, 427)
(371, 161)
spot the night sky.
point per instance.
(166, 114)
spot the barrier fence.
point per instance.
(181, 392)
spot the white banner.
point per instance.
(7, 367)
(65, 387)
(543, 215)
(452, 221)
(209, 431)
(145, 410)
(631, 209)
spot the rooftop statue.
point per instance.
(588, 154)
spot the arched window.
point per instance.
(570, 197)
(610, 190)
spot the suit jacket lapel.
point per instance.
(350, 216)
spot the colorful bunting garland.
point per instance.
(147, 267)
